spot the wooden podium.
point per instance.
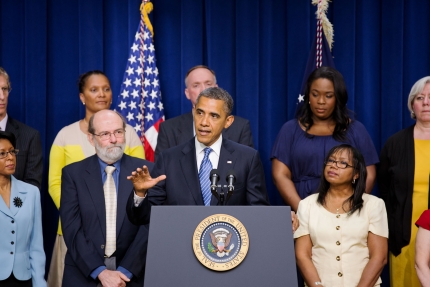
(171, 261)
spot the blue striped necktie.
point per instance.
(205, 183)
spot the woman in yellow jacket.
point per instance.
(71, 145)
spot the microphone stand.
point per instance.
(221, 197)
(214, 192)
(229, 194)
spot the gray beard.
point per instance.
(110, 154)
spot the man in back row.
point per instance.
(29, 166)
(180, 129)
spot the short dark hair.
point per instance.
(340, 114)
(217, 93)
(82, 80)
(199, 67)
(91, 128)
(355, 202)
(8, 136)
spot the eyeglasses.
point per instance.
(339, 163)
(5, 90)
(106, 135)
(4, 154)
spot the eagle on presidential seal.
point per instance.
(220, 242)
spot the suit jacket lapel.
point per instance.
(11, 127)
(189, 171)
(227, 161)
(5, 209)
(93, 180)
(15, 193)
(186, 129)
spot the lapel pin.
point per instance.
(17, 202)
(229, 161)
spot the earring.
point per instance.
(309, 102)
(83, 103)
(353, 181)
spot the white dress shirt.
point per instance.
(213, 157)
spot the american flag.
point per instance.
(140, 97)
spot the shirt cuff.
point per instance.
(137, 199)
(97, 271)
(125, 272)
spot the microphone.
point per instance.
(214, 178)
(231, 179)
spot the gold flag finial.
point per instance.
(322, 16)
(146, 8)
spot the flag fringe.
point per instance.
(322, 16)
(145, 9)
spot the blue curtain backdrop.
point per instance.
(258, 49)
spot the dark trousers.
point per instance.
(13, 282)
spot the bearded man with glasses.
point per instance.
(103, 247)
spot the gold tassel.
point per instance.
(145, 9)
(322, 15)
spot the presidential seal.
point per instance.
(220, 242)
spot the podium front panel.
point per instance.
(171, 261)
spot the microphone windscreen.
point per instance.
(231, 174)
(214, 172)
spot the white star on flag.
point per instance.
(135, 94)
(148, 71)
(129, 71)
(151, 106)
(124, 94)
(127, 82)
(132, 105)
(122, 105)
(132, 59)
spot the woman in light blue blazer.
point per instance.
(22, 258)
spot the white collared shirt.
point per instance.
(213, 156)
(3, 123)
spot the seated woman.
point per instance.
(422, 249)
(342, 237)
(21, 245)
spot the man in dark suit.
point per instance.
(87, 208)
(29, 165)
(177, 172)
(180, 129)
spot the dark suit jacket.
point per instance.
(179, 130)
(29, 165)
(83, 218)
(396, 184)
(182, 185)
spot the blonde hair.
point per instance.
(417, 88)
